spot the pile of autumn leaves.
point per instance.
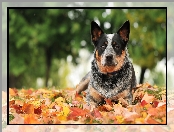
(51, 106)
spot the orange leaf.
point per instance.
(152, 111)
(11, 103)
(30, 119)
(13, 92)
(28, 108)
(76, 112)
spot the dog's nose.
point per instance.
(109, 57)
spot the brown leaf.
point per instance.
(38, 110)
(28, 108)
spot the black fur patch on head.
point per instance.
(118, 41)
(96, 32)
(118, 44)
(124, 31)
(101, 44)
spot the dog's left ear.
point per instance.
(96, 32)
(124, 31)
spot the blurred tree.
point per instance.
(148, 37)
(37, 36)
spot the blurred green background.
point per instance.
(47, 45)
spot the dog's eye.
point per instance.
(116, 46)
(103, 46)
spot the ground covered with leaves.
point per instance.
(52, 106)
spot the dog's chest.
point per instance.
(111, 85)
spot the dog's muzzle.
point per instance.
(109, 60)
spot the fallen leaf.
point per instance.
(152, 111)
(108, 107)
(120, 119)
(109, 102)
(96, 113)
(30, 119)
(38, 110)
(155, 103)
(148, 98)
(143, 103)
(28, 108)
(77, 112)
(150, 120)
(139, 121)
(13, 92)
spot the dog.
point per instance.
(112, 74)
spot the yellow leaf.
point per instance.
(144, 114)
(62, 118)
(48, 95)
(66, 110)
(120, 118)
(36, 103)
(59, 100)
(64, 113)
(139, 120)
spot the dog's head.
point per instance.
(110, 48)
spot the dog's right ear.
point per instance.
(124, 31)
(96, 32)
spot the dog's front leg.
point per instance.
(83, 85)
(93, 97)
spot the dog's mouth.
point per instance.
(109, 61)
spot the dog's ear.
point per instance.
(124, 31)
(96, 32)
